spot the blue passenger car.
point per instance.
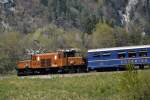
(118, 57)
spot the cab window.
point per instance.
(69, 54)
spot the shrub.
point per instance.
(133, 85)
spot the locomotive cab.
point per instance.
(73, 57)
(73, 60)
(54, 61)
(70, 53)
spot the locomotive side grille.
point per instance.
(45, 62)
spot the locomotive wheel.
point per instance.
(28, 71)
(20, 73)
(141, 66)
(78, 70)
(36, 72)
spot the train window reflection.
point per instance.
(106, 54)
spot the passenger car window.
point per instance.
(143, 53)
(121, 54)
(97, 54)
(132, 54)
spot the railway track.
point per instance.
(50, 76)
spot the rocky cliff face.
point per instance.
(137, 12)
(26, 16)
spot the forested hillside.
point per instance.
(56, 24)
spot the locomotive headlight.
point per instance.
(38, 58)
(55, 57)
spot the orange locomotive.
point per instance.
(60, 61)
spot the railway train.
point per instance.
(96, 59)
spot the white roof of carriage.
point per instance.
(119, 48)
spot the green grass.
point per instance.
(101, 86)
